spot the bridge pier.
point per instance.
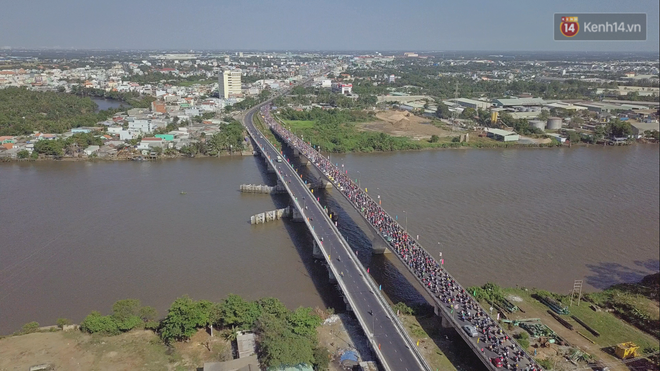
(296, 216)
(331, 276)
(316, 251)
(444, 322)
(379, 246)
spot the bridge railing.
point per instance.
(442, 306)
(365, 276)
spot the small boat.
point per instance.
(183, 193)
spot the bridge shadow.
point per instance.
(604, 275)
(398, 285)
(303, 242)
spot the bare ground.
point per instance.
(135, 350)
(341, 332)
(403, 124)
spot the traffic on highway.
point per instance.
(389, 340)
(494, 347)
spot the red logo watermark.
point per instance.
(569, 26)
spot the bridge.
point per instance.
(452, 303)
(387, 336)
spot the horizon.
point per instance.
(295, 25)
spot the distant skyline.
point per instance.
(506, 25)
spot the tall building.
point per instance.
(229, 83)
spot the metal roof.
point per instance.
(519, 101)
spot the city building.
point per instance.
(229, 83)
(342, 88)
(502, 135)
(471, 103)
(510, 102)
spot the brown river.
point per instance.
(77, 236)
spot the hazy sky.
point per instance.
(505, 25)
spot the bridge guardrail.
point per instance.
(442, 306)
(391, 315)
(366, 278)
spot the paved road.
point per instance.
(395, 347)
(458, 307)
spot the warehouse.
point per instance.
(502, 135)
(510, 102)
(471, 103)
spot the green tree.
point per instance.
(573, 137)
(443, 111)
(468, 113)
(273, 306)
(97, 323)
(434, 139)
(544, 116)
(22, 154)
(236, 311)
(304, 322)
(321, 358)
(183, 318)
(30, 327)
(126, 314)
(280, 346)
(50, 147)
(618, 128)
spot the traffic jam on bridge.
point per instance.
(485, 334)
(388, 337)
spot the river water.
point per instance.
(77, 236)
(104, 104)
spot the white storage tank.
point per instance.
(554, 123)
(539, 124)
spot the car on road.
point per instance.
(470, 330)
(497, 362)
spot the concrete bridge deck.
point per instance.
(449, 311)
(389, 340)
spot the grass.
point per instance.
(612, 329)
(258, 122)
(434, 356)
(299, 124)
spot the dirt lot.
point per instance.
(404, 124)
(135, 350)
(342, 332)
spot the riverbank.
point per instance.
(571, 349)
(447, 145)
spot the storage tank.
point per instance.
(539, 124)
(554, 123)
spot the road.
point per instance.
(395, 348)
(457, 306)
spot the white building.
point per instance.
(143, 126)
(229, 83)
(342, 88)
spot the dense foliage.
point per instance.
(126, 315)
(431, 80)
(285, 337)
(23, 111)
(230, 137)
(70, 146)
(133, 99)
